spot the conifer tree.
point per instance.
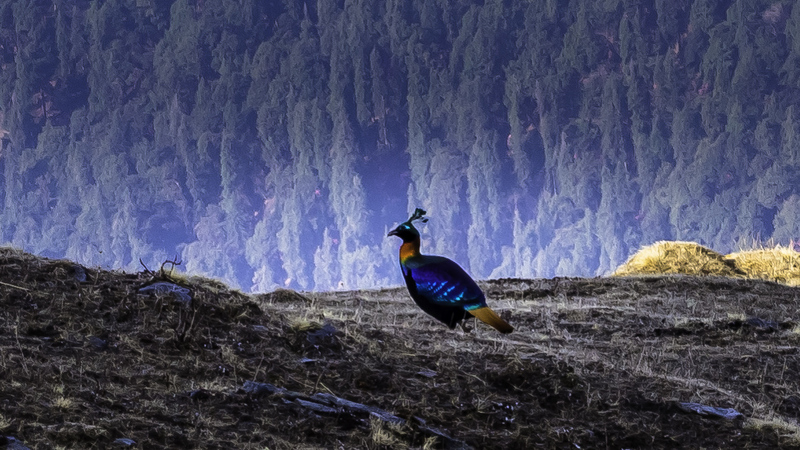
(786, 229)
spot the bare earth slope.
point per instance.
(86, 361)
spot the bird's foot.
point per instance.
(465, 327)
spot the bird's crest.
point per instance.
(419, 214)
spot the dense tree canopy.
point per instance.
(275, 142)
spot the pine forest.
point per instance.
(275, 142)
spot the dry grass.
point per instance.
(789, 429)
(778, 263)
(676, 257)
(592, 363)
(774, 263)
(385, 435)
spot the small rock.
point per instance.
(199, 394)
(12, 443)
(703, 410)
(124, 441)
(180, 293)
(353, 406)
(756, 322)
(254, 387)
(323, 335)
(99, 343)
(79, 273)
(316, 406)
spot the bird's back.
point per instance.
(441, 288)
(442, 281)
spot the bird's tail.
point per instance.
(490, 317)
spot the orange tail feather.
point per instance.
(491, 318)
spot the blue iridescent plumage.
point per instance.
(440, 286)
(443, 281)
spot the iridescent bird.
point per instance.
(440, 286)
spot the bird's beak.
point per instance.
(392, 233)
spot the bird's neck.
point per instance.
(409, 250)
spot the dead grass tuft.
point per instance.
(301, 325)
(779, 264)
(62, 402)
(282, 296)
(383, 434)
(676, 257)
(787, 429)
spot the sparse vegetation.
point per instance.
(788, 428)
(593, 363)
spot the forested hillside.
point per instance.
(275, 142)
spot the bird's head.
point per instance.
(406, 230)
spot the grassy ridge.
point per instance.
(594, 363)
(777, 263)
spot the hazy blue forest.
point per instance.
(271, 143)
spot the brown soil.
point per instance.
(593, 363)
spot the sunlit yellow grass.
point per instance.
(776, 263)
(677, 257)
(779, 264)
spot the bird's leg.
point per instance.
(464, 327)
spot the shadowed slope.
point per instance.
(86, 360)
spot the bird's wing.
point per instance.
(444, 282)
